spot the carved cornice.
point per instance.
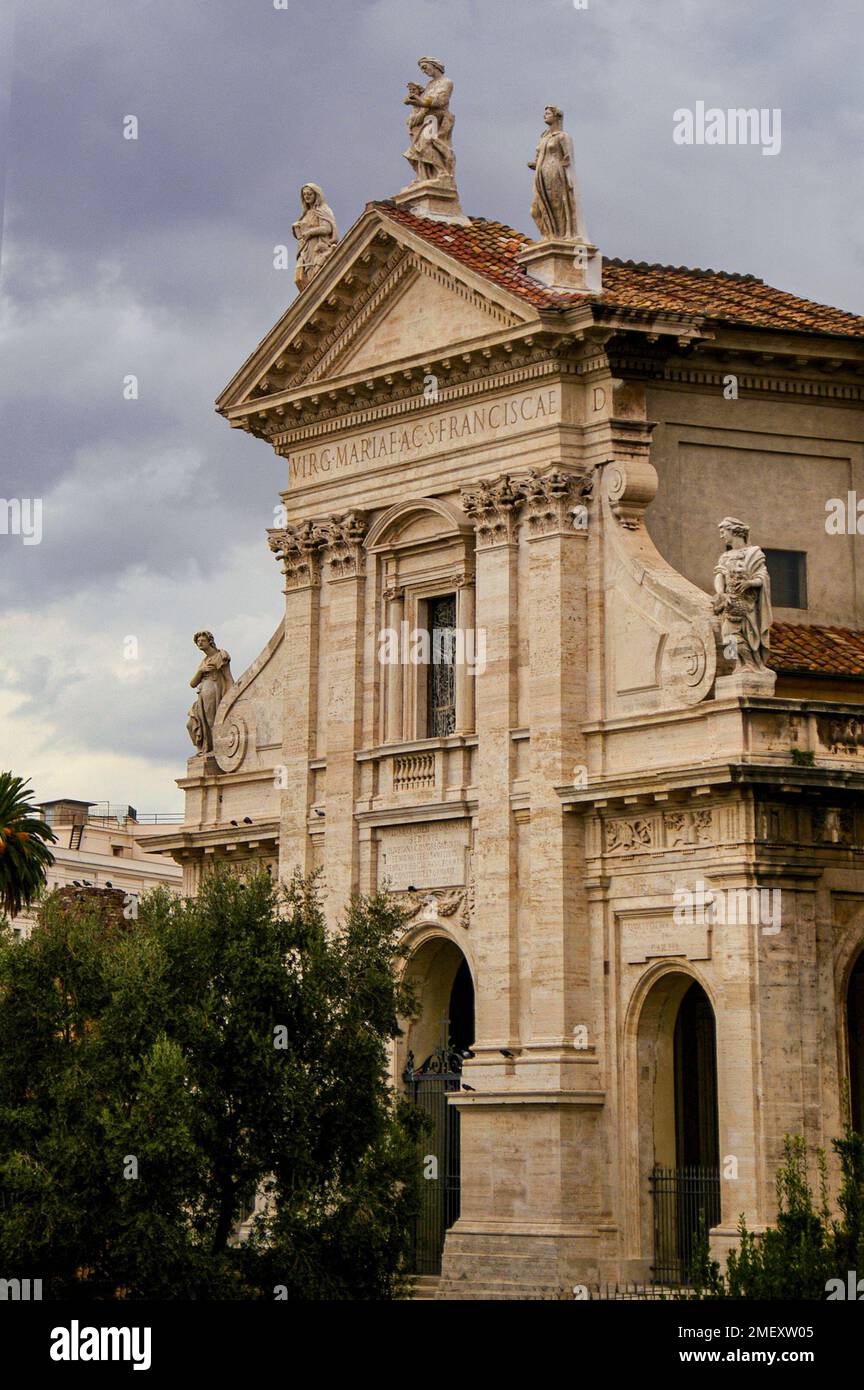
(384, 395)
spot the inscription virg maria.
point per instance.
(422, 856)
(399, 443)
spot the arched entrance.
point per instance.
(855, 1036)
(679, 1151)
(438, 1039)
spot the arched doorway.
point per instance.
(438, 1039)
(855, 1036)
(679, 1148)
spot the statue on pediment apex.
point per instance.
(555, 207)
(430, 125)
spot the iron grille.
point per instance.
(685, 1201)
(428, 1086)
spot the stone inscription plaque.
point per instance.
(418, 439)
(423, 856)
(646, 938)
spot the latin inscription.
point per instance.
(423, 856)
(648, 938)
(415, 441)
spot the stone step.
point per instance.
(424, 1287)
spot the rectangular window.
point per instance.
(441, 682)
(788, 572)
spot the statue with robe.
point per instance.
(315, 230)
(742, 598)
(430, 126)
(555, 207)
(212, 681)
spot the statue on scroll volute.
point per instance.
(315, 230)
(430, 125)
(556, 208)
(212, 680)
(742, 598)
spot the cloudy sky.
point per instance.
(154, 257)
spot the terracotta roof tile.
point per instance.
(827, 651)
(490, 248)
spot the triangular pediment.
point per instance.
(383, 298)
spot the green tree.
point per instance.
(805, 1248)
(155, 1073)
(24, 852)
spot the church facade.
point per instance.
(509, 686)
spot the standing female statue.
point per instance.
(316, 234)
(212, 680)
(555, 208)
(430, 125)
(743, 597)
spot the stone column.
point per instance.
(395, 614)
(559, 921)
(347, 580)
(493, 507)
(464, 676)
(298, 547)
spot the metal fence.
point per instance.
(686, 1201)
(428, 1086)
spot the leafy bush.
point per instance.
(795, 1258)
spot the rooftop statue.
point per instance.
(555, 207)
(212, 680)
(316, 234)
(430, 126)
(743, 598)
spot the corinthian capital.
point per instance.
(298, 547)
(344, 544)
(549, 501)
(493, 506)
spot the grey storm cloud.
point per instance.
(155, 257)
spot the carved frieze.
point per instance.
(833, 825)
(689, 828)
(842, 735)
(629, 835)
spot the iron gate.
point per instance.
(428, 1087)
(685, 1200)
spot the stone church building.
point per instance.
(505, 687)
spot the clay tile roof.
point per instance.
(825, 651)
(490, 249)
